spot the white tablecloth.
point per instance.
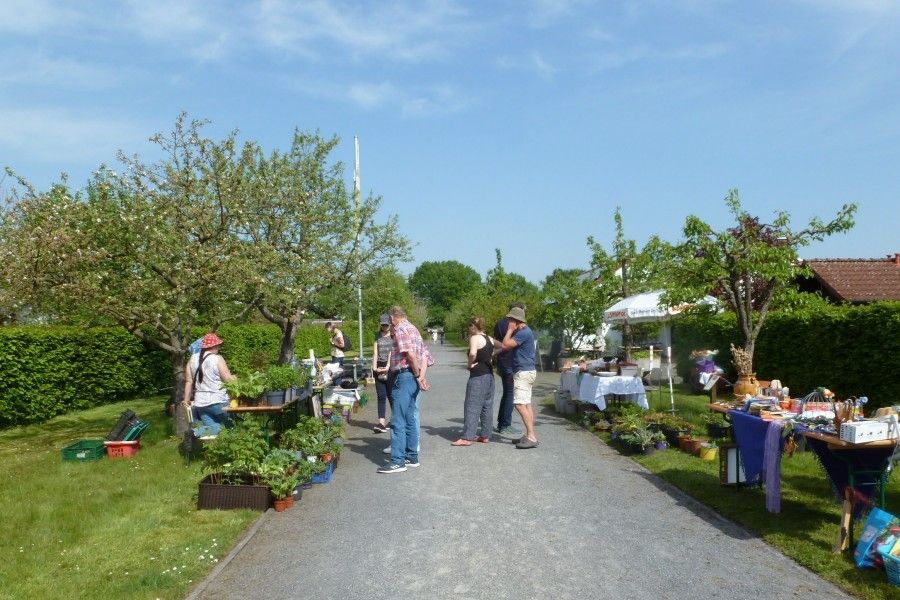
(568, 381)
(593, 389)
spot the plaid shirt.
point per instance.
(408, 339)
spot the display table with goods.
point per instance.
(594, 389)
(856, 454)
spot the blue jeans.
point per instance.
(337, 360)
(213, 417)
(405, 419)
(504, 415)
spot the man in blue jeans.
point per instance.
(505, 369)
(410, 360)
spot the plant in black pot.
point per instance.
(232, 463)
(278, 380)
(717, 427)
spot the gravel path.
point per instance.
(570, 519)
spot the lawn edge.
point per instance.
(238, 547)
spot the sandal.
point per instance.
(482, 439)
(461, 442)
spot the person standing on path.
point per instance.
(410, 360)
(519, 339)
(337, 348)
(505, 370)
(478, 408)
(381, 351)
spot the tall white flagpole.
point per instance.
(362, 354)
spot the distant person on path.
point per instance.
(410, 360)
(206, 371)
(381, 353)
(505, 370)
(337, 348)
(442, 337)
(478, 408)
(519, 340)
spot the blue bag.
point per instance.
(876, 523)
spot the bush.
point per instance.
(849, 349)
(48, 371)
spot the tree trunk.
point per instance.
(628, 339)
(178, 375)
(288, 335)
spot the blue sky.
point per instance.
(511, 124)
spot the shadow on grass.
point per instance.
(94, 423)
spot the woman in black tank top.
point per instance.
(479, 403)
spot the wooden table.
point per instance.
(842, 450)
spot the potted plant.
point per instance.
(278, 380)
(717, 427)
(232, 462)
(278, 471)
(245, 389)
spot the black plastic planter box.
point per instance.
(223, 496)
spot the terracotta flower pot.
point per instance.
(281, 504)
(683, 442)
(694, 446)
(326, 457)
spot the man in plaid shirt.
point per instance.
(409, 362)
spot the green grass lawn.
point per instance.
(807, 526)
(106, 528)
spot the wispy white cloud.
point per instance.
(534, 63)
(29, 17)
(41, 69)
(55, 135)
(403, 31)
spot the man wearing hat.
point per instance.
(519, 341)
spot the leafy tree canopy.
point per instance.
(746, 265)
(441, 284)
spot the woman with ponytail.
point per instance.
(203, 390)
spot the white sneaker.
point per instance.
(410, 463)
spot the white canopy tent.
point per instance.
(646, 308)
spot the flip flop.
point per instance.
(461, 442)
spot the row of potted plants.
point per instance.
(245, 470)
(276, 382)
(645, 432)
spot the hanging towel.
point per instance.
(750, 435)
(772, 466)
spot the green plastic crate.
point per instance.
(84, 450)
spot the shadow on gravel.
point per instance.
(451, 433)
(370, 448)
(701, 510)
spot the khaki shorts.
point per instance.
(522, 384)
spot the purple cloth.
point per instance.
(750, 435)
(772, 466)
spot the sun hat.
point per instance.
(516, 313)
(385, 319)
(210, 340)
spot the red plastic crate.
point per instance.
(122, 449)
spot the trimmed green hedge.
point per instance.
(852, 350)
(47, 371)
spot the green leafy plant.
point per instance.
(236, 454)
(250, 386)
(279, 471)
(279, 378)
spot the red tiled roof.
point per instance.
(858, 279)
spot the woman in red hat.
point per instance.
(205, 374)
